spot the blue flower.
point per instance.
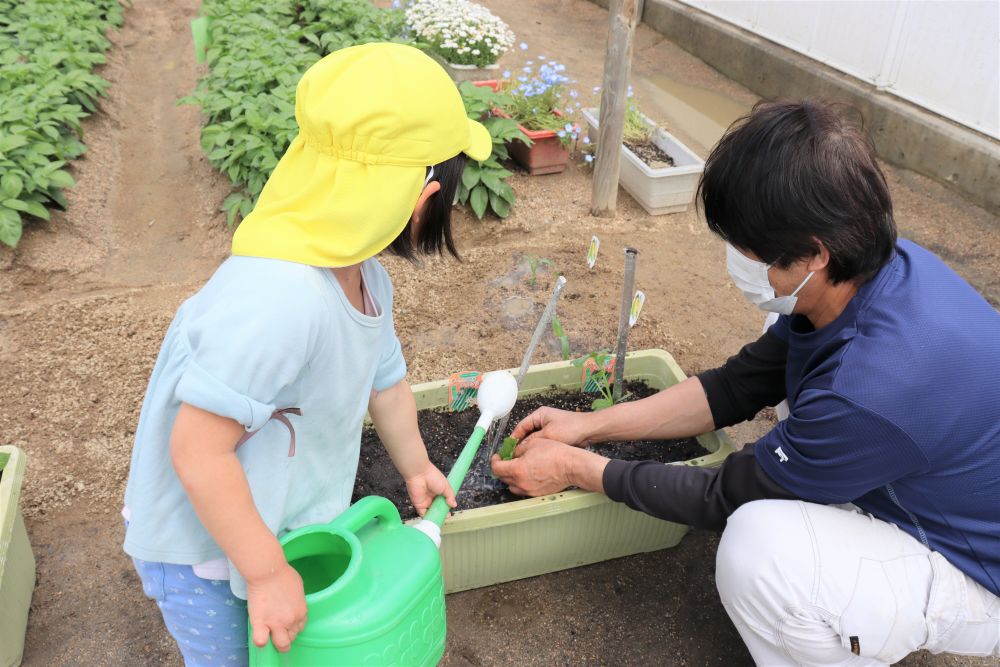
(527, 70)
(586, 140)
(577, 105)
(588, 158)
(574, 94)
(506, 74)
(530, 62)
(561, 133)
(569, 127)
(522, 79)
(524, 46)
(541, 57)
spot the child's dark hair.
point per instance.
(435, 229)
(792, 173)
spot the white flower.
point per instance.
(459, 27)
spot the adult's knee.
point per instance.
(766, 555)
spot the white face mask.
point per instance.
(751, 278)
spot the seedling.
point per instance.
(507, 449)
(561, 336)
(535, 263)
(599, 378)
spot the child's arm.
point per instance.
(203, 449)
(394, 413)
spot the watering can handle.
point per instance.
(366, 509)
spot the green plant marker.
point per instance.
(507, 449)
(200, 33)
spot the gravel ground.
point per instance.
(85, 300)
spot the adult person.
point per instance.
(866, 525)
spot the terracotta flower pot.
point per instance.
(546, 155)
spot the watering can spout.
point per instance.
(496, 397)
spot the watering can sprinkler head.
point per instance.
(496, 397)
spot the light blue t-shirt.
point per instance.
(263, 335)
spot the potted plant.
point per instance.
(484, 184)
(17, 563)
(467, 36)
(659, 171)
(528, 537)
(538, 102)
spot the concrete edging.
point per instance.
(904, 133)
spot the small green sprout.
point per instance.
(535, 263)
(561, 336)
(507, 449)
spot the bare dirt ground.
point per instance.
(85, 300)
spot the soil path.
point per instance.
(85, 300)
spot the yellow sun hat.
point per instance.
(371, 119)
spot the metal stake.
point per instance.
(543, 323)
(628, 291)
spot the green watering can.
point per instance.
(373, 584)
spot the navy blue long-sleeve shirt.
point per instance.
(895, 406)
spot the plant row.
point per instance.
(256, 55)
(48, 51)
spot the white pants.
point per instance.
(806, 583)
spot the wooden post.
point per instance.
(625, 14)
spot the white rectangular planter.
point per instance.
(659, 191)
(17, 563)
(525, 538)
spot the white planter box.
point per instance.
(659, 191)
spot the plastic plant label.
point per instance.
(462, 389)
(588, 380)
(637, 302)
(595, 245)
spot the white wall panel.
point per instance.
(941, 54)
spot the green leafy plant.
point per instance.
(48, 49)
(507, 448)
(484, 184)
(256, 55)
(540, 101)
(535, 263)
(637, 131)
(599, 378)
(560, 334)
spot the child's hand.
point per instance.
(426, 486)
(276, 604)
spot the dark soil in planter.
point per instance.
(446, 433)
(651, 154)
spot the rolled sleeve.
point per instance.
(201, 389)
(391, 368)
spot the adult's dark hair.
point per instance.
(791, 173)
(434, 235)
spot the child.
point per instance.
(251, 424)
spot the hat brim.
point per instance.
(322, 210)
(480, 142)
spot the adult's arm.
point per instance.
(701, 497)
(749, 381)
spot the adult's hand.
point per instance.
(541, 466)
(572, 428)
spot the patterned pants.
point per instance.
(208, 622)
